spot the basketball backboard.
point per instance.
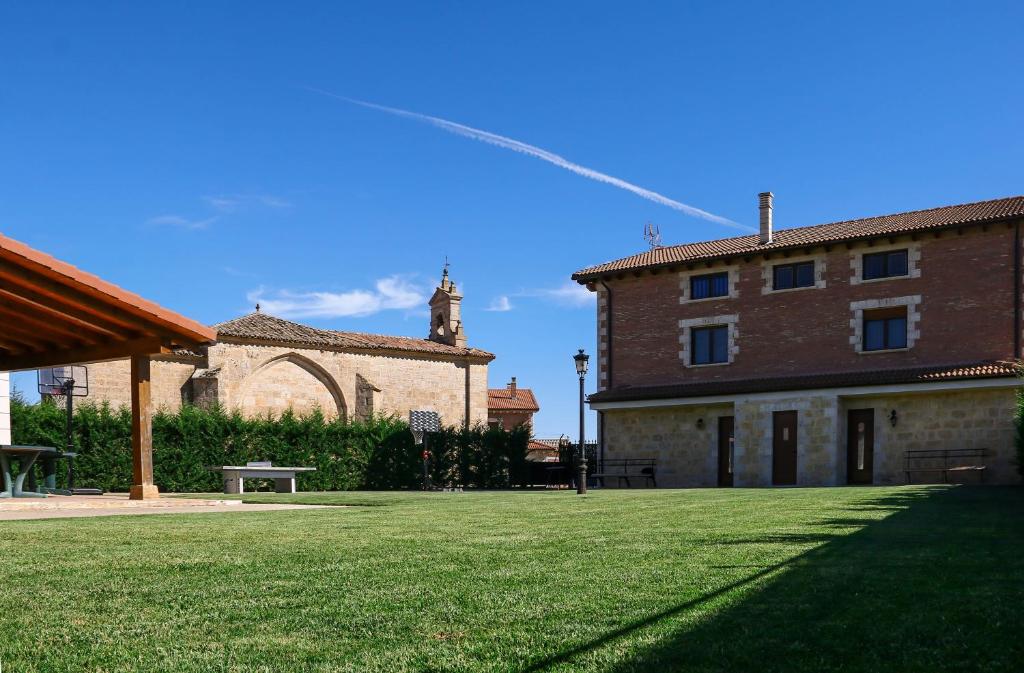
(57, 381)
(421, 422)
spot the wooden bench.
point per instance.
(945, 461)
(624, 469)
(235, 475)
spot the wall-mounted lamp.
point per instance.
(893, 418)
(700, 423)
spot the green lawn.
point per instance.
(861, 579)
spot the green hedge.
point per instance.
(377, 454)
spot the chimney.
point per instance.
(512, 386)
(765, 201)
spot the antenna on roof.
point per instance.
(652, 234)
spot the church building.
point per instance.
(265, 365)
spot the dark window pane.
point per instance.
(874, 266)
(699, 287)
(783, 277)
(874, 335)
(701, 346)
(720, 285)
(897, 263)
(720, 344)
(896, 333)
(805, 274)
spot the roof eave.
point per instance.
(584, 278)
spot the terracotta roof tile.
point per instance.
(899, 223)
(504, 399)
(978, 370)
(268, 328)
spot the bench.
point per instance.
(945, 461)
(235, 475)
(624, 469)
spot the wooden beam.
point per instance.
(31, 301)
(143, 487)
(11, 346)
(67, 297)
(112, 350)
(35, 322)
(39, 340)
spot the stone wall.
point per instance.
(968, 419)
(269, 379)
(687, 455)
(5, 408)
(169, 385)
(816, 437)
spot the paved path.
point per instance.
(116, 504)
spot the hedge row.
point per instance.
(377, 454)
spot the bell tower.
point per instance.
(446, 313)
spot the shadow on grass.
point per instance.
(937, 585)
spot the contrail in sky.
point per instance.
(539, 153)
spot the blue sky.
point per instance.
(182, 153)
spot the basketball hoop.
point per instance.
(72, 380)
(67, 382)
(422, 422)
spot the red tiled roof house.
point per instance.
(511, 406)
(816, 355)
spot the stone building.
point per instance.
(511, 406)
(264, 365)
(816, 355)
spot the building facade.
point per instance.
(264, 365)
(815, 355)
(511, 406)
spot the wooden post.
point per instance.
(143, 487)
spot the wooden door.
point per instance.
(784, 448)
(860, 445)
(726, 436)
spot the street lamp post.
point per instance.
(581, 359)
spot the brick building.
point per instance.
(264, 365)
(511, 406)
(814, 355)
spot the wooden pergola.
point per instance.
(53, 314)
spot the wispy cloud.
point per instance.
(180, 222)
(567, 294)
(391, 293)
(500, 304)
(229, 203)
(543, 155)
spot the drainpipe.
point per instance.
(600, 414)
(1016, 290)
(608, 316)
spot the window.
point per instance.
(885, 264)
(709, 285)
(885, 329)
(710, 345)
(789, 276)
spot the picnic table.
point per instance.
(14, 487)
(235, 475)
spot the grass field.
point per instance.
(868, 579)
